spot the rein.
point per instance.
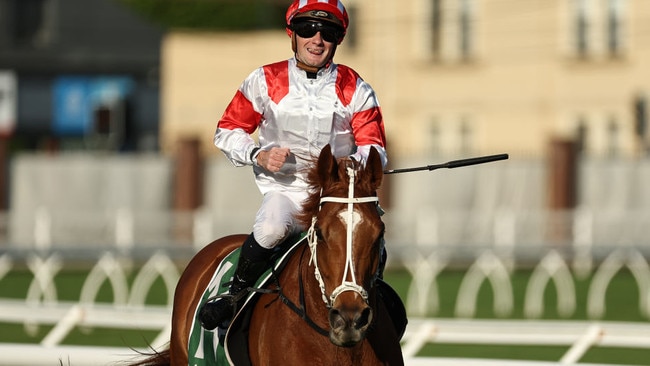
(302, 309)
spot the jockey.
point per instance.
(297, 106)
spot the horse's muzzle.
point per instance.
(349, 324)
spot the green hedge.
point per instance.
(218, 15)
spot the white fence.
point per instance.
(423, 296)
(578, 337)
(128, 310)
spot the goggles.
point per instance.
(330, 33)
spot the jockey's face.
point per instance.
(314, 51)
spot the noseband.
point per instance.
(349, 263)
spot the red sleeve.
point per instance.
(368, 127)
(240, 114)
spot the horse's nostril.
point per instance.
(351, 320)
(363, 319)
(336, 319)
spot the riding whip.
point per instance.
(452, 164)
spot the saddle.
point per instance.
(230, 346)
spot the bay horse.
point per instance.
(340, 319)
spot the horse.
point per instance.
(340, 318)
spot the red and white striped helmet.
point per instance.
(333, 7)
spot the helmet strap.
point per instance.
(309, 69)
(294, 42)
(301, 65)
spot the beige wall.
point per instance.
(201, 73)
(522, 86)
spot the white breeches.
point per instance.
(275, 221)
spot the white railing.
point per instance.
(41, 305)
(423, 295)
(578, 337)
(128, 310)
(65, 316)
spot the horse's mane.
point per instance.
(331, 188)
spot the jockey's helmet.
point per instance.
(331, 11)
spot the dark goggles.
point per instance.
(330, 33)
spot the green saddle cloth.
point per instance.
(206, 347)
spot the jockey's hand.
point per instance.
(272, 160)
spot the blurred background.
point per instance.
(109, 181)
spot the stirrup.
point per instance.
(225, 309)
(226, 303)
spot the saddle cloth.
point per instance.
(206, 347)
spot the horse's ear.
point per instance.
(374, 168)
(327, 166)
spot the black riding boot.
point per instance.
(252, 263)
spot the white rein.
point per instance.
(349, 263)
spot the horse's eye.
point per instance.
(319, 234)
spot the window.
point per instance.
(640, 112)
(436, 28)
(452, 29)
(451, 135)
(598, 27)
(613, 143)
(465, 28)
(435, 138)
(465, 136)
(614, 26)
(581, 135)
(599, 135)
(582, 29)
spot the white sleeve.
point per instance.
(236, 144)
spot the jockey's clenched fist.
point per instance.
(272, 160)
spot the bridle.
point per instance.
(312, 241)
(349, 263)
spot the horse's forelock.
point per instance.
(310, 205)
(332, 187)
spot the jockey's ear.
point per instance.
(374, 168)
(327, 166)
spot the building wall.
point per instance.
(521, 84)
(201, 73)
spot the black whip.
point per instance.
(452, 164)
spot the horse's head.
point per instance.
(345, 237)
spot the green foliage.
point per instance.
(218, 15)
